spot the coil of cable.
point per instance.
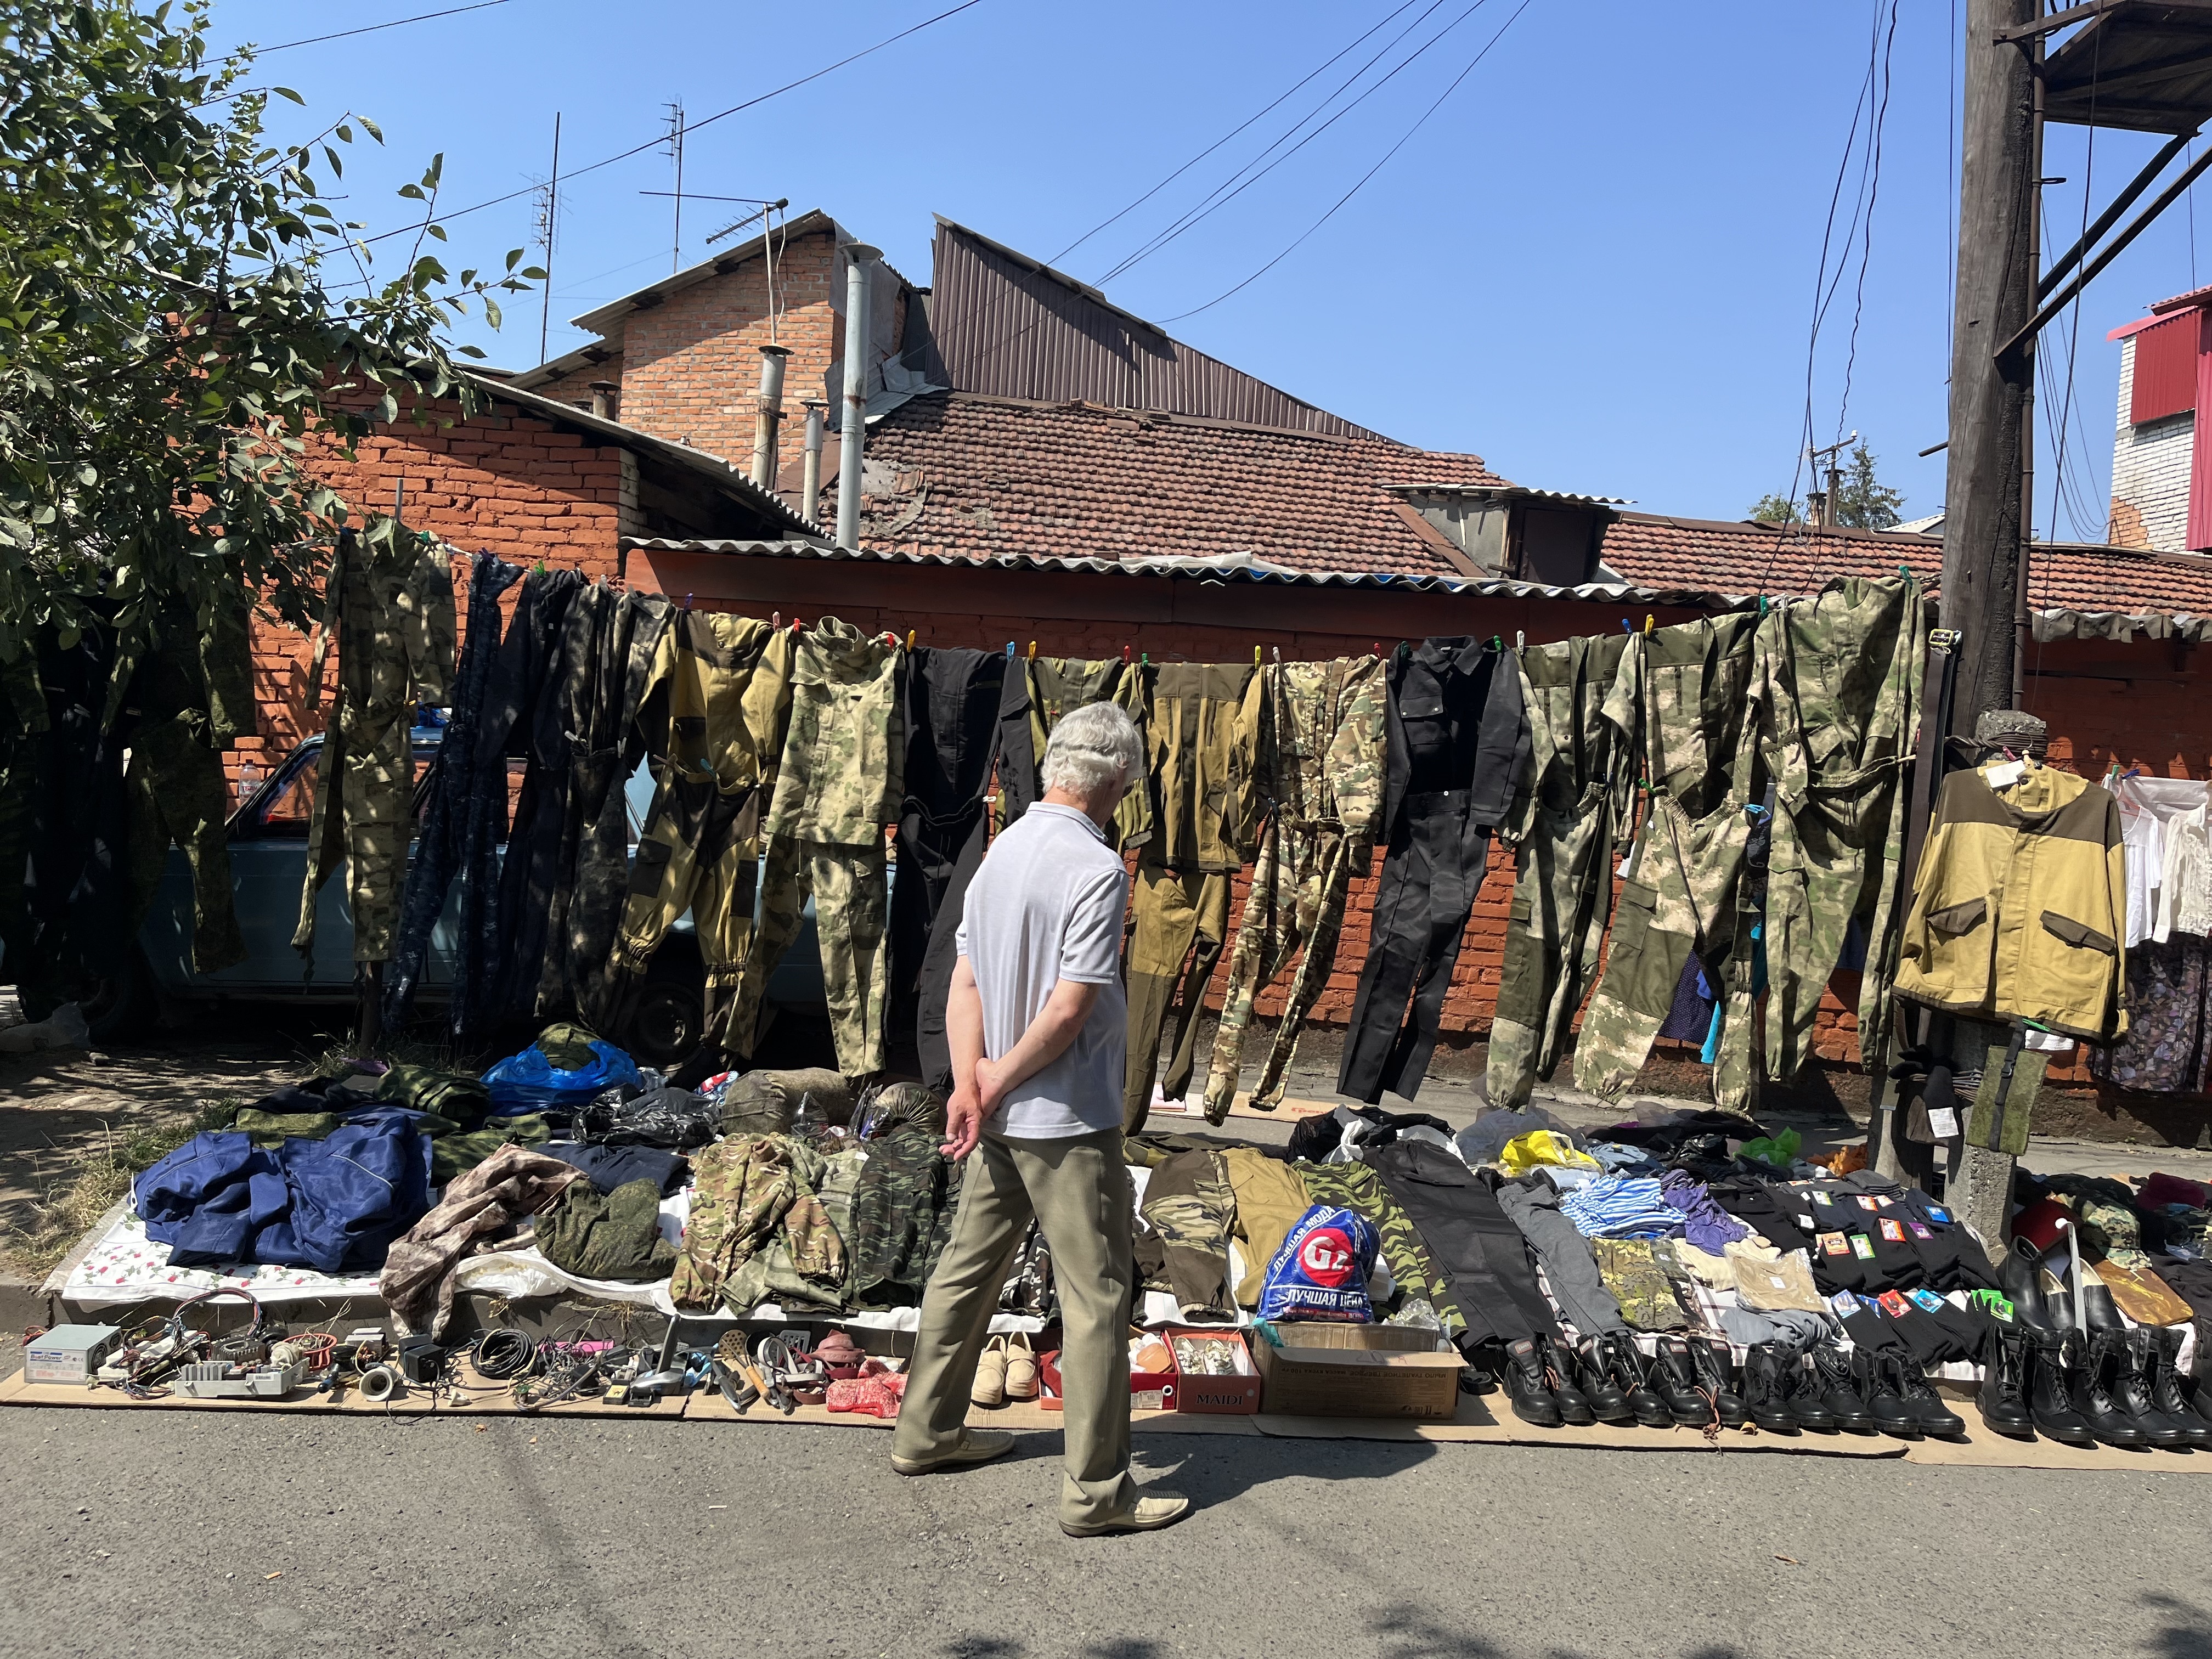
(502, 1353)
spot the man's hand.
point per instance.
(963, 1124)
(991, 1084)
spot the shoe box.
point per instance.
(1312, 1369)
(1213, 1374)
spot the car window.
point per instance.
(285, 808)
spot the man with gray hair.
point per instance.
(1038, 1026)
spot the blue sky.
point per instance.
(1595, 264)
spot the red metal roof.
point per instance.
(991, 477)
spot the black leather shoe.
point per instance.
(2003, 1398)
(1715, 1362)
(1593, 1377)
(2050, 1400)
(1801, 1392)
(1930, 1414)
(1560, 1375)
(1892, 1416)
(2100, 1314)
(2132, 1363)
(1762, 1390)
(2091, 1390)
(1676, 1379)
(1831, 1367)
(1631, 1371)
(2164, 1377)
(1523, 1369)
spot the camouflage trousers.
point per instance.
(1298, 895)
(363, 790)
(699, 852)
(1356, 1186)
(1562, 900)
(175, 791)
(1181, 922)
(852, 913)
(1680, 900)
(1189, 1208)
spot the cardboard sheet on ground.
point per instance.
(1290, 1112)
(709, 1406)
(481, 1400)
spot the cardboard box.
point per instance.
(1221, 1394)
(1317, 1369)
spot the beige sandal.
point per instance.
(990, 1387)
(1021, 1369)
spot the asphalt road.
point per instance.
(128, 1533)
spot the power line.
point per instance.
(371, 28)
(1866, 239)
(734, 109)
(1220, 141)
(1364, 177)
(1210, 206)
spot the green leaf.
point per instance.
(287, 92)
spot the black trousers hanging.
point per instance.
(1472, 1240)
(953, 710)
(1431, 871)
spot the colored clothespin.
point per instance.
(1647, 624)
(775, 619)
(1279, 655)
(1762, 605)
(909, 639)
(1627, 627)
(1905, 571)
(1255, 656)
(1010, 650)
(1496, 644)
(1145, 659)
(1032, 650)
(1376, 646)
(1520, 640)
(1125, 656)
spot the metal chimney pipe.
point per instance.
(603, 400)
(810, 487)
(771, 413)
(859, 256)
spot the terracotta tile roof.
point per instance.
(1741, 557)
(987, 477)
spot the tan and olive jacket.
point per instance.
(2021, 905)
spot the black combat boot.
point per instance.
(1594, 1376)
(1560, 1375)
(1930, 1414)
(1715, 1361)
(1801, 1391)
(1675, 1378)
(1523, 1370)
(1832, 1366)
(2166, 1391)
(1892, 1416)
(2090, 1378)
(1631, 1371)
(2132, 1362)
(1763, 1397)
(2003, 1399)
(2050, 1358)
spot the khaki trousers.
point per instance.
(1077, 1189)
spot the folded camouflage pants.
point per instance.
(177, 791)
(851, 919)
(699, 852)
(1181, 924)
(1563, 876)
(1190, 1209)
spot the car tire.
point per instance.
(123, 1008)
(668, 1019)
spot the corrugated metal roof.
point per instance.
(1508, 492)
(2050, 623)
(1226, 570)
(1007, 325)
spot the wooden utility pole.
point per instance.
(1984, 524)
(1987, 519)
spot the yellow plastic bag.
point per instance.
(1541, 1146)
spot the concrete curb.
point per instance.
(22, 1302)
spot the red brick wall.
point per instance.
(689, 366)
(497, 482)
(576, 387)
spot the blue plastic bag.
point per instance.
(530, 1082)
(1323, 1269)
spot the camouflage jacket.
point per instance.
(717, 700)
(1326, 766)
(1205, 729)
(841, 779)
(392, 609)
(902, 1204)
(745, 1190)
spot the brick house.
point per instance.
(1042, 467)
